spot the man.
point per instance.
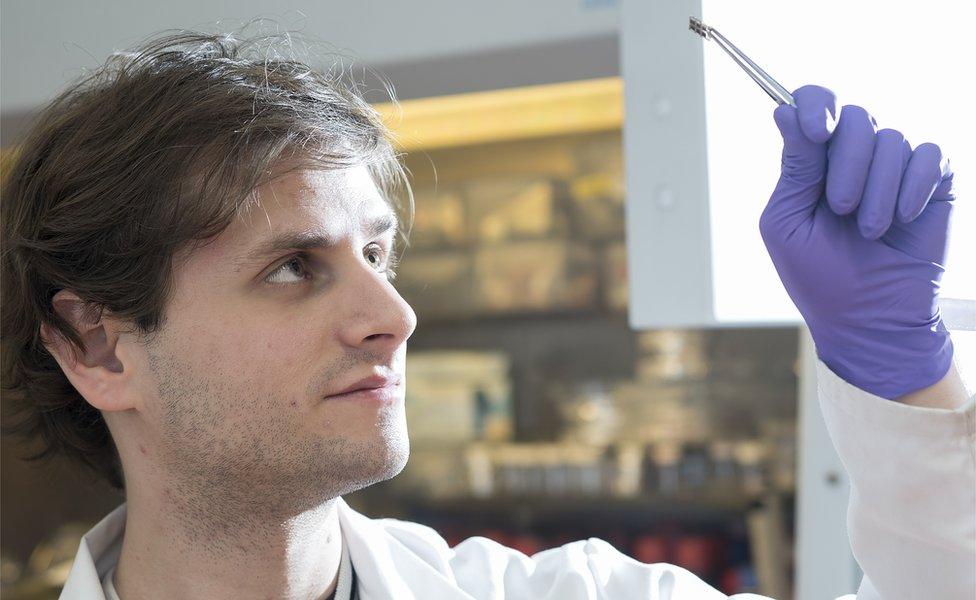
(197, 264)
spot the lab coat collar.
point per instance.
(385, 567)
(98, 551)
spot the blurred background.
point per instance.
(541, 409)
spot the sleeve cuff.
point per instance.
(877, 413)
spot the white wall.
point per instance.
(45, 44)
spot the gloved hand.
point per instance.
(857, 228)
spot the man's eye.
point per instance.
(294, 264)
(295, 269)
(380, 258)
(372, 252)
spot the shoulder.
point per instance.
(572, 570)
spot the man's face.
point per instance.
(255, 341)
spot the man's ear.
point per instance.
(97, 373)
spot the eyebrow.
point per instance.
(309, 240)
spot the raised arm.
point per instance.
(857, 228)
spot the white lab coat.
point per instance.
(911, 518)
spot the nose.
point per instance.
(380, 320)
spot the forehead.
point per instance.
(308, 192)
(328, 204)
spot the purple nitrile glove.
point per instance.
(857, 228)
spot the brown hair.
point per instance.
(157, 150)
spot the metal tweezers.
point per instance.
(767, 83)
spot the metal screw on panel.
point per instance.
(664, 198)
(662, 107)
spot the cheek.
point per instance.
(282, 362)
(275, 359)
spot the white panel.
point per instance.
(893, 59)
(825, 565)
(668, 238)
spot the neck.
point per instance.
(193, 546)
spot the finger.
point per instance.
(849, 156)
(924, 173)
(787, 120)
(877, 208)
(804, 158)
(817, 112)
(803, 162)
(800, 184)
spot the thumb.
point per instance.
(817, 112)
(805, 129)
(804, 160)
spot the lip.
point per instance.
(381, 395)
(375, 386)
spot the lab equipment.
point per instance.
(458, 396)
(616, 289)
(589, 416)
(561, 274)
(439, 217)
(865, 280)
(511, 208)
(772, 87)
(672, 355)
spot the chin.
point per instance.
(397, 452)
(386, 458)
